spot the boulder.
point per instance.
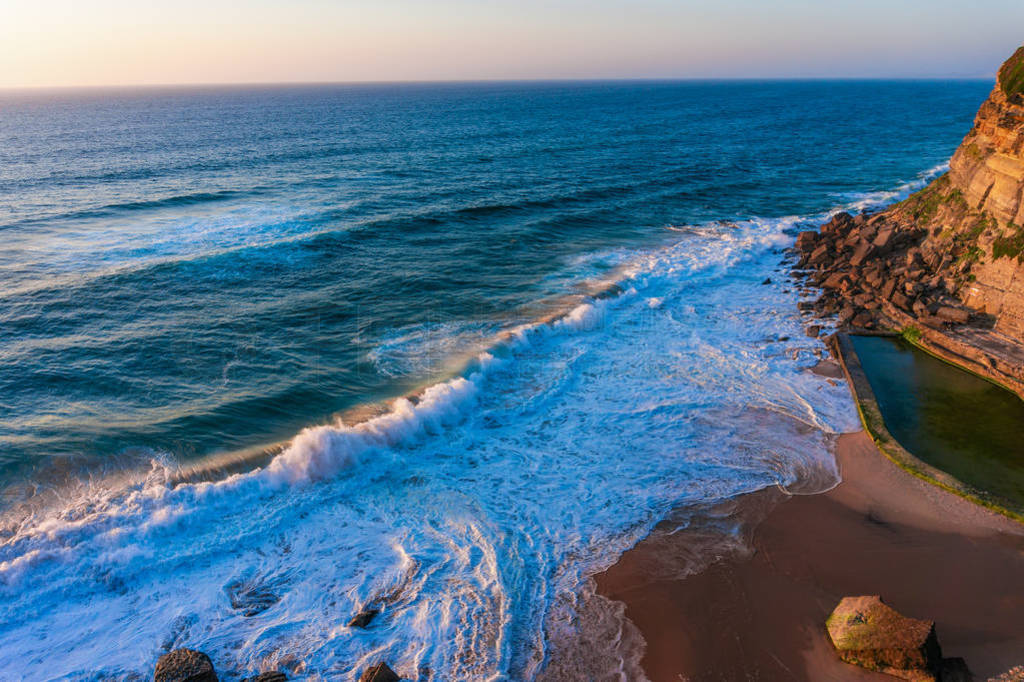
(956, 315)
(805, 240)
(184, 665)
(868, 633)
(900, 301)
(862, 300)
(379, 673)
(863, 320)
(883, 240)
(865, 250)
(835, 280)
(841, 222)
(813, 331)
(363, 618)
(820, 255)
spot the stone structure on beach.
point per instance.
(950, 256)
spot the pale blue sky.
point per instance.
(104, 42)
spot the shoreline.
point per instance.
(758, 612)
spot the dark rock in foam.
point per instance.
(363, 618)
(184, 665)
(379, 673)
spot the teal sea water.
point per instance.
(491, 332)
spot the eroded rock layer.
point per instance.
(949, 256)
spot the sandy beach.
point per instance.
(758, 613)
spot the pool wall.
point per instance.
(871, 416)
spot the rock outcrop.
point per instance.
(949, 260)
(184, 665)
(987, 172)
(868, 633)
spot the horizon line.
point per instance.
(485, 81)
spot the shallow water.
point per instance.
(194, 272)
(951, 419)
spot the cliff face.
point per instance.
(988, 170)
(988, 167)
(946, 264)
(951, 254)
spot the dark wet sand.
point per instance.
(760, 615)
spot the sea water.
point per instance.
(483, 338)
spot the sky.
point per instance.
(46, 43)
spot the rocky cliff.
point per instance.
(948, 262)
(987, 171)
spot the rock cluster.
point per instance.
(950, 254)
(871, 268)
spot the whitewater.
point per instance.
(471, 512)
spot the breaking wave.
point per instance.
(467, 513)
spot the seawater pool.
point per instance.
(955, 421)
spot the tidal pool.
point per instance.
(957, 422)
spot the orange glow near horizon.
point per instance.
(117, 42)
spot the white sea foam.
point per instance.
(470, 514)
(872, 200)
(320, 451)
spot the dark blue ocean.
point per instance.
(464, 344)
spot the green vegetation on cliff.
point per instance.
(912, 333)
(923, 205)
(1010, 244)
(1011, 74)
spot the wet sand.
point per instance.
(758, 613)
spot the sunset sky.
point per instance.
(122, 42)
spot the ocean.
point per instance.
(462, 344)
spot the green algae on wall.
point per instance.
(951, 419)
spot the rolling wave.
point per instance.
(462, 588)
